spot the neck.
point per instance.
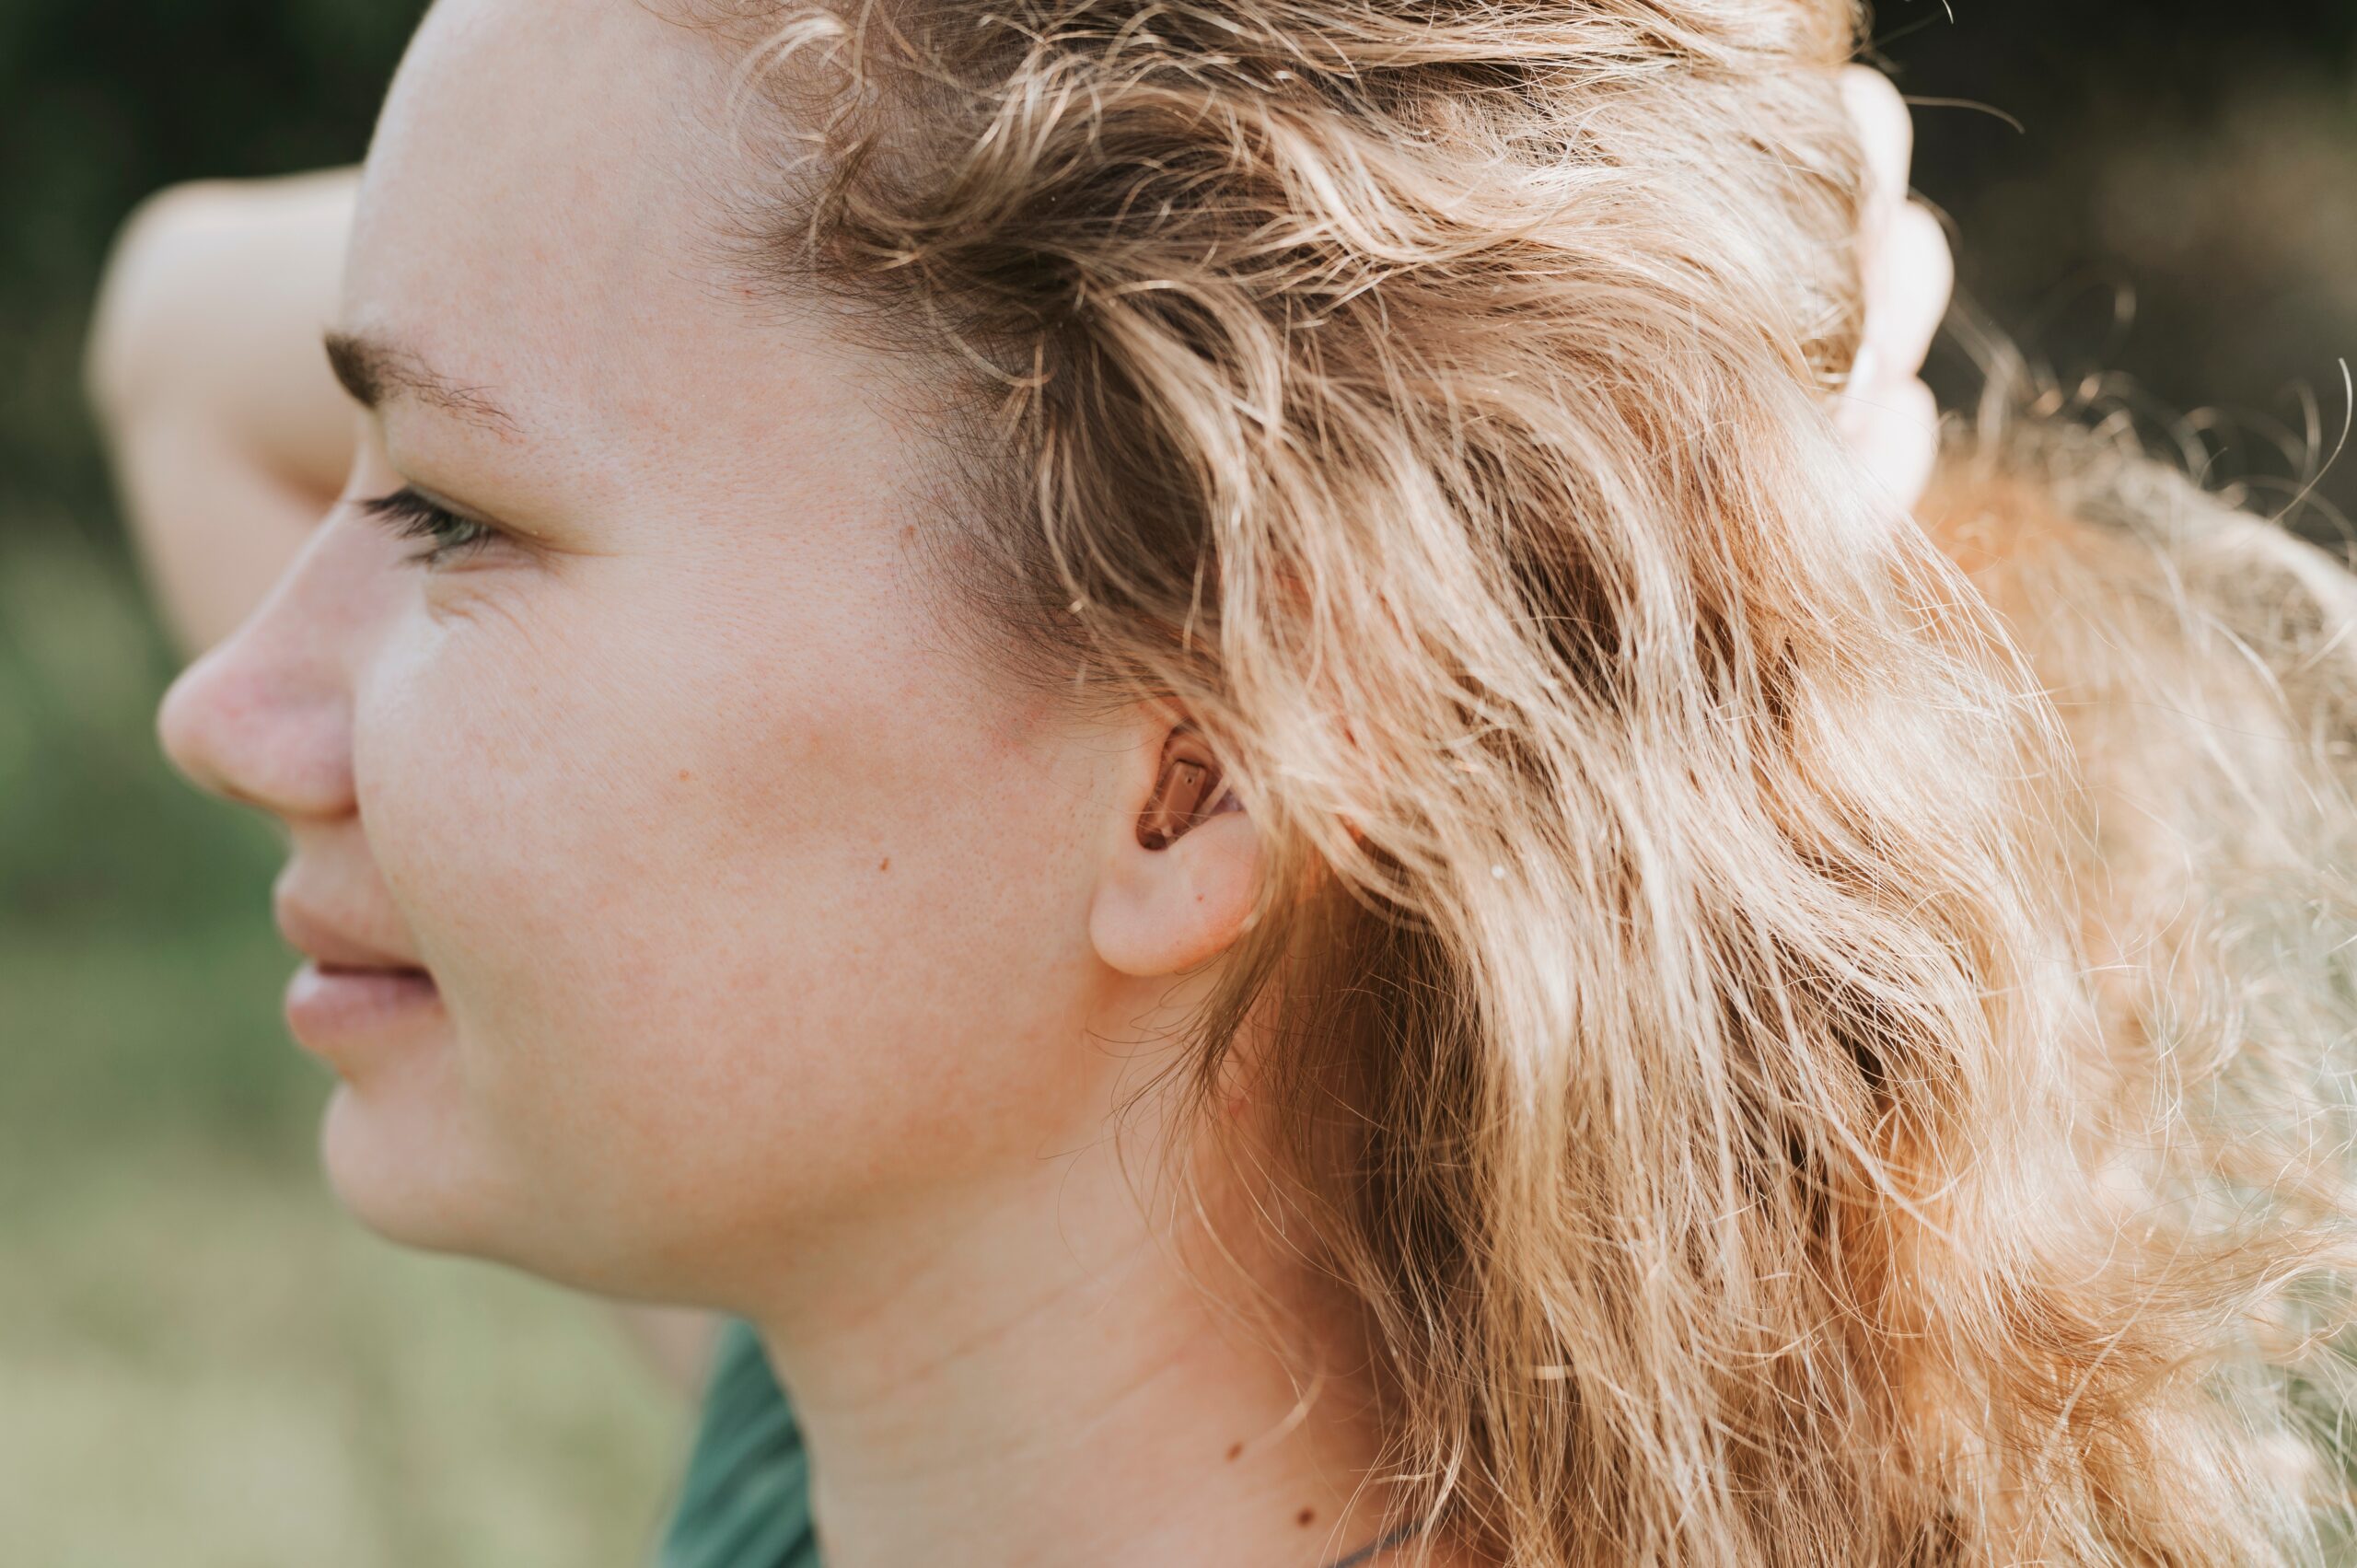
(1052, 1375)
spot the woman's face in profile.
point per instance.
(749, 904)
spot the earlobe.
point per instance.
(1181, 883)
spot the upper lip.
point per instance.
(328, 945)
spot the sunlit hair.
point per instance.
(1815, 1036)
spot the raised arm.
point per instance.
(227, 435)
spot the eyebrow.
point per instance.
(373, 369)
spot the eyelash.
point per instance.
(411, 515)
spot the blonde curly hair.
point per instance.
(1812, 1034)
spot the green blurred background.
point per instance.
(201, 1362)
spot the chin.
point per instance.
(407, 1171)
(397, 1173)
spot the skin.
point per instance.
(689, 920)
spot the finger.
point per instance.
(1885, 133)
(1895, 431)
(1908, 295)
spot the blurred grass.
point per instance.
(209, 1364)
(137, 963)
(203, 1361)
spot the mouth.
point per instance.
(328, 1007)
(348, 989)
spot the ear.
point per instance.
(1182, 864)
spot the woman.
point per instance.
(1179, 736)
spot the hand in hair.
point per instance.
(1887, 412)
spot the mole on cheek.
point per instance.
(1304, 1518)
(1236, 1452)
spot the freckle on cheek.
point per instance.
(885, 864)
(685, 775)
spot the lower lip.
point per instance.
(328, 1006)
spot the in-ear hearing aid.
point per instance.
(1189, 783)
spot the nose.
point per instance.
(265, 716)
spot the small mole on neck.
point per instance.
(1236, 1451)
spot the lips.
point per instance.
(326, 1008)
(349, 990)
(330, 943)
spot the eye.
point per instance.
(413, 516)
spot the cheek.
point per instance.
(738, 912)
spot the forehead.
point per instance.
(543, 213)
(545, 153)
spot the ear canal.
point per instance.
(1186, 787)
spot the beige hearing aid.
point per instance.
(1189, 781)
